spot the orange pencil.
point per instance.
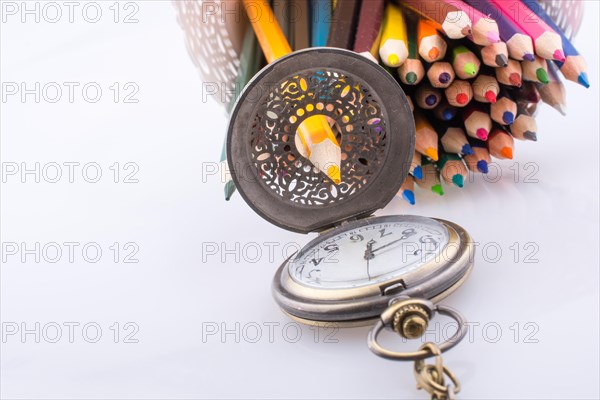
(427, 139)
(500, 144)
(432, 47)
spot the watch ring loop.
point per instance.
(444, 346)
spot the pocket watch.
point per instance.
(389, 271)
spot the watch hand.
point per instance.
(386, 245)
(369, 252)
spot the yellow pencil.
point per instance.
(315, 133)
(393, 48)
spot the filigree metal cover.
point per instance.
(369, 114)
(354, 112)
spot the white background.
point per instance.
(172, 295)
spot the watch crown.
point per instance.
(411, 321)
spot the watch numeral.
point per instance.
(317, 261)
(382, 232)
(357, 238)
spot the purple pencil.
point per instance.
(520, 45)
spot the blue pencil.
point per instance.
(320, 18)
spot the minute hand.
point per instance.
(389, 244)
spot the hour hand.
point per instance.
(369, 251)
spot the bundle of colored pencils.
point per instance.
(474, 71)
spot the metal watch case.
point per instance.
(358, 306)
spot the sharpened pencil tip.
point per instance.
(530, 136)
(583, 80)
(482, 166)
(418, 172)
(529, 57)
(559, 56)
(393, 60)
(432, 153)
(437, 189)
(447, 115)
(228, 190)
(507, 152)
(515, 79)
(561, 109)
(467, 150)
(444, 77)
(462, 98)
(482, 134)
(333, 172)
(542, 75)
(490, 96)
(411, 78)
(470, 69)
(501, 60)
(409, 196)
(431, 100)
(434, 53)
(508, 118)
(458, 180)
(493, 37)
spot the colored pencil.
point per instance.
(343, 24)
(536, 71)
(299, 18)
(511, 75)
(459, 94)
(554, 93)
(546, 42)
(524, 127)
(415, 166)
(518, 43)
(448, 17)
(444, 111)
(412, 72)
(452, 169)
(494, 55)
(484, 29)
(441, 74)
(465, 63)
(427, 97)
(320, 16)
(500, 144)
(393, 48)
(431, 179)
(427, 139)
(480, 160)
(486, 89)
(477, 120)
(574, 67)
(281, 10)
(528, 93)
(504, 110)
(366, 41)
(454, 140)
(315, 133)
(432, 47)
(407, 190)
(249, 65)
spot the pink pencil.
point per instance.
(547, 42)
(485, 30)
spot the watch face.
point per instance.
(368, 252)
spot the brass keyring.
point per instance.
(386, 321)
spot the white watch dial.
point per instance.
(384, 249)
